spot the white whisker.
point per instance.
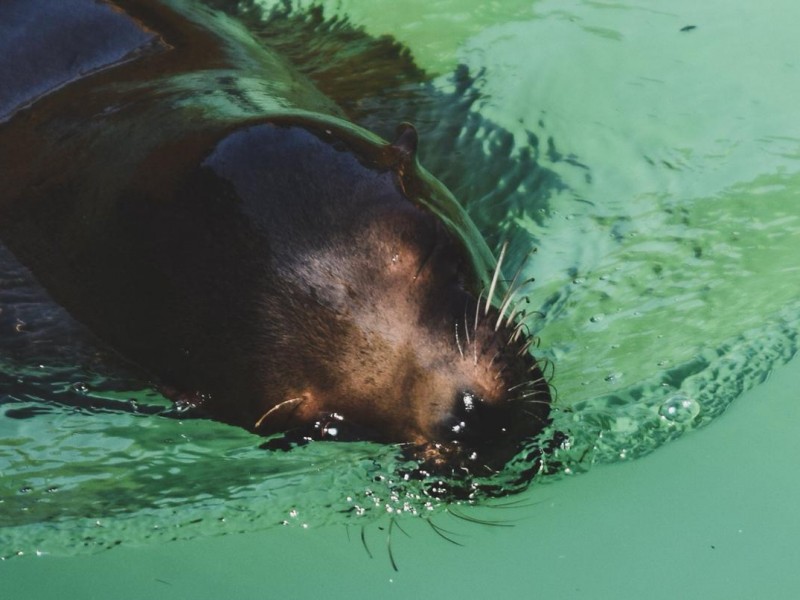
(520, 385)
(517, 311)
(478, 312)
(466, 326)
(495, 276)
(276, 408)
(503, 307)
(526, 346)
(513, 287)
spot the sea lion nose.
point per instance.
(487, 432)
(475, 422)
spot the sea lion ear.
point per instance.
(406, 141)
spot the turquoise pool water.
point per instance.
(651, 152)
(712, 515)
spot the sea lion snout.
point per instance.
(501, 402)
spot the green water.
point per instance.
(657, 171)
(712, 515)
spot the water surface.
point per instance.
(649, 151)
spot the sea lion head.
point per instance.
(372, 310)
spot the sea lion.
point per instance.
(181, 191)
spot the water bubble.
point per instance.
(80, 388)
(679, 408)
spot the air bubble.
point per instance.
(679, 408)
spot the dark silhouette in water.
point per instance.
(213, 217)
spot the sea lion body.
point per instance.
(210, 215)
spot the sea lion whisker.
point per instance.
(466, 326)
(529, 398)
(389, 544)
(526, 400)
(458, 343)
(514, 287)
(530, 414)
(514, 301)
(536, 367)
(403, 531)
(528, 317)
(478, 312)
(544, 365)
(509, 295)
(490, 469)
(517, 331)
(364, 541)
(520, 316)
(497, 270)
(524, 395)
(538, 380)
(527, 345)
(475, 327)
(517, 312)
(503, 307)
(277, 407)
(522, 266)
(441, 532)
(403, 444)
(514, 504)
(459, 515)
(521, 385)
